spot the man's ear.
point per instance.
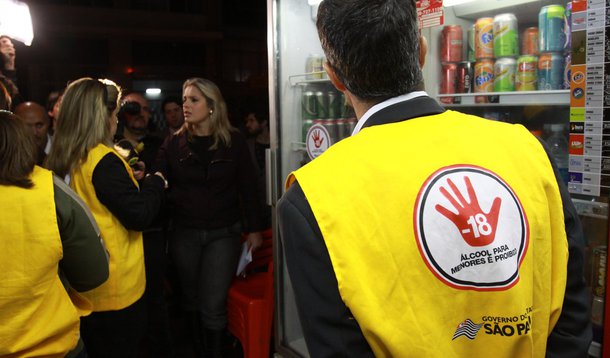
(333, 77)
(423, 50)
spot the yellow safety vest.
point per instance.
(446, 235)
(37, 317)
(126, 281)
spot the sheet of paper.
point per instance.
(244, 259)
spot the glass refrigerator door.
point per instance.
(299, 93)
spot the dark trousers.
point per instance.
(157, 341)
(115, 334)
(205, 262)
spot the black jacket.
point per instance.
(214, 195)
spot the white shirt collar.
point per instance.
(47, 147)
(379, 106)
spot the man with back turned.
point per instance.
(472, 246)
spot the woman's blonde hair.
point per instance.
(83, 122)
(219, 119)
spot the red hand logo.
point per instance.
(477, 227)
(317, 141)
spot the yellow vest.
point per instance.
(37, 317)
(126, 281)
(446, 235)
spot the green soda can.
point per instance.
(307, 123)
(309, 106)
(322, 105)
(470, 52)
(333, 105)
(526, 78)
(504, 74)
(506, 36)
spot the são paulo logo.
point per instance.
(470, 228)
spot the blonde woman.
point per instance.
(82, 152)
(213, 198)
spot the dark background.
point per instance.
(148, 43)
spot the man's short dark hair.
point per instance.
(372, 45)
(170, 99)
(261, 113)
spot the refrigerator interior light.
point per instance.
(314, 2)
(448, 3)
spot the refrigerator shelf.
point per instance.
(522, 98)
(303, 79)
(525, 10)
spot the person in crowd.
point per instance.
(172, 112)
(256, 122)
(35, 117)
(52, 105)
(212, 200)
(472, 244)
(5, 98)
(8, 70)
(50, 250)
(135, 115)
(83, 153)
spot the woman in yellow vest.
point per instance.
(47, 237)
(82, 153)
(428, 232)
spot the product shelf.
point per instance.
(525, 10)
(521, 98)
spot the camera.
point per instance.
(132, 108)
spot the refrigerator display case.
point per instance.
(307, 115)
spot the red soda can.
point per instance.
(464, 77)
(448, 82)
(451, 43)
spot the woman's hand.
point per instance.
(255, 240)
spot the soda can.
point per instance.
(526, 78)
(451, 44)
(448, 82)
(342, 129)
(470, 52)
(483, 38)
(504, 74)
(314, 66)
(333, 105)
(331, 127)
(568, 26)
(598, 271)
(464, 77)
(567, 72)
(529, 43)
(551, 26)
(505, 36)
(483, 78)
(322, 105)
(307, 123)
(309, 107)
(351, 124)
(550, 71)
